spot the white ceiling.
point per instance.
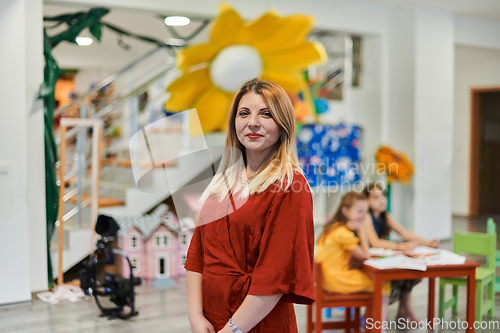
(109, 56)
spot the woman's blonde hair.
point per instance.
(281, 162)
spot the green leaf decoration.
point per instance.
(96, 31)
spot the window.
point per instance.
(162, 240)
(135, 265)
(134, 243)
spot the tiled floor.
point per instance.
(164, 309)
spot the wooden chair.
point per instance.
(326, 299)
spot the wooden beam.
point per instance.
(60, 210)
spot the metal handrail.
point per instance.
(121, 177)
(117, 102)
(75, 210)
(113, 77)
(75, 191)
(74, 172)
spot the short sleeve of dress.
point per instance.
(194, 258)
(346, 238)
(286, 252)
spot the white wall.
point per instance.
(22, 219)
(361, 105)
(434, 48)
(397, 107)
(477, 55)
(474, 67)
(36, 157)
(477, 33)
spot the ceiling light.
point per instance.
(83, 41)
(177, 20)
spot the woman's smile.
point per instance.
(254, 136)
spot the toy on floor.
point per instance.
(120, 290)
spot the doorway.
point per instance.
(484, 189)
(162, 266)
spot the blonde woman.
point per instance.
(251, 254)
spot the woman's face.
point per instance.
(357, 212)
(255, 126)
(377, 200)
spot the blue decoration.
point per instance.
(329, 155)
(321, 105)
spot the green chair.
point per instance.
(492, 229)
(478, 244)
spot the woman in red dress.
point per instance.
(251, 254)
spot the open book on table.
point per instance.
(397, 261)
(444, 257)
(419, 250)
(421, 257)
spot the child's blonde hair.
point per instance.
(348, 200)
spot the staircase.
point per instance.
(126, 113)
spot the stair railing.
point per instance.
(157, 75)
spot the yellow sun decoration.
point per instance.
(271, 48)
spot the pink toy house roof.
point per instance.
(148, 224)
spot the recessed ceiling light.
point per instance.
(83, 41)
(177, 20)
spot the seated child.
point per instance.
(337, 244)
(377, 227)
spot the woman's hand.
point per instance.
(201, 325)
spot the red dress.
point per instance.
(264, 247)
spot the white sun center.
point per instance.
(234, 65)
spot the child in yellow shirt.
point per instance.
(337, 244)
